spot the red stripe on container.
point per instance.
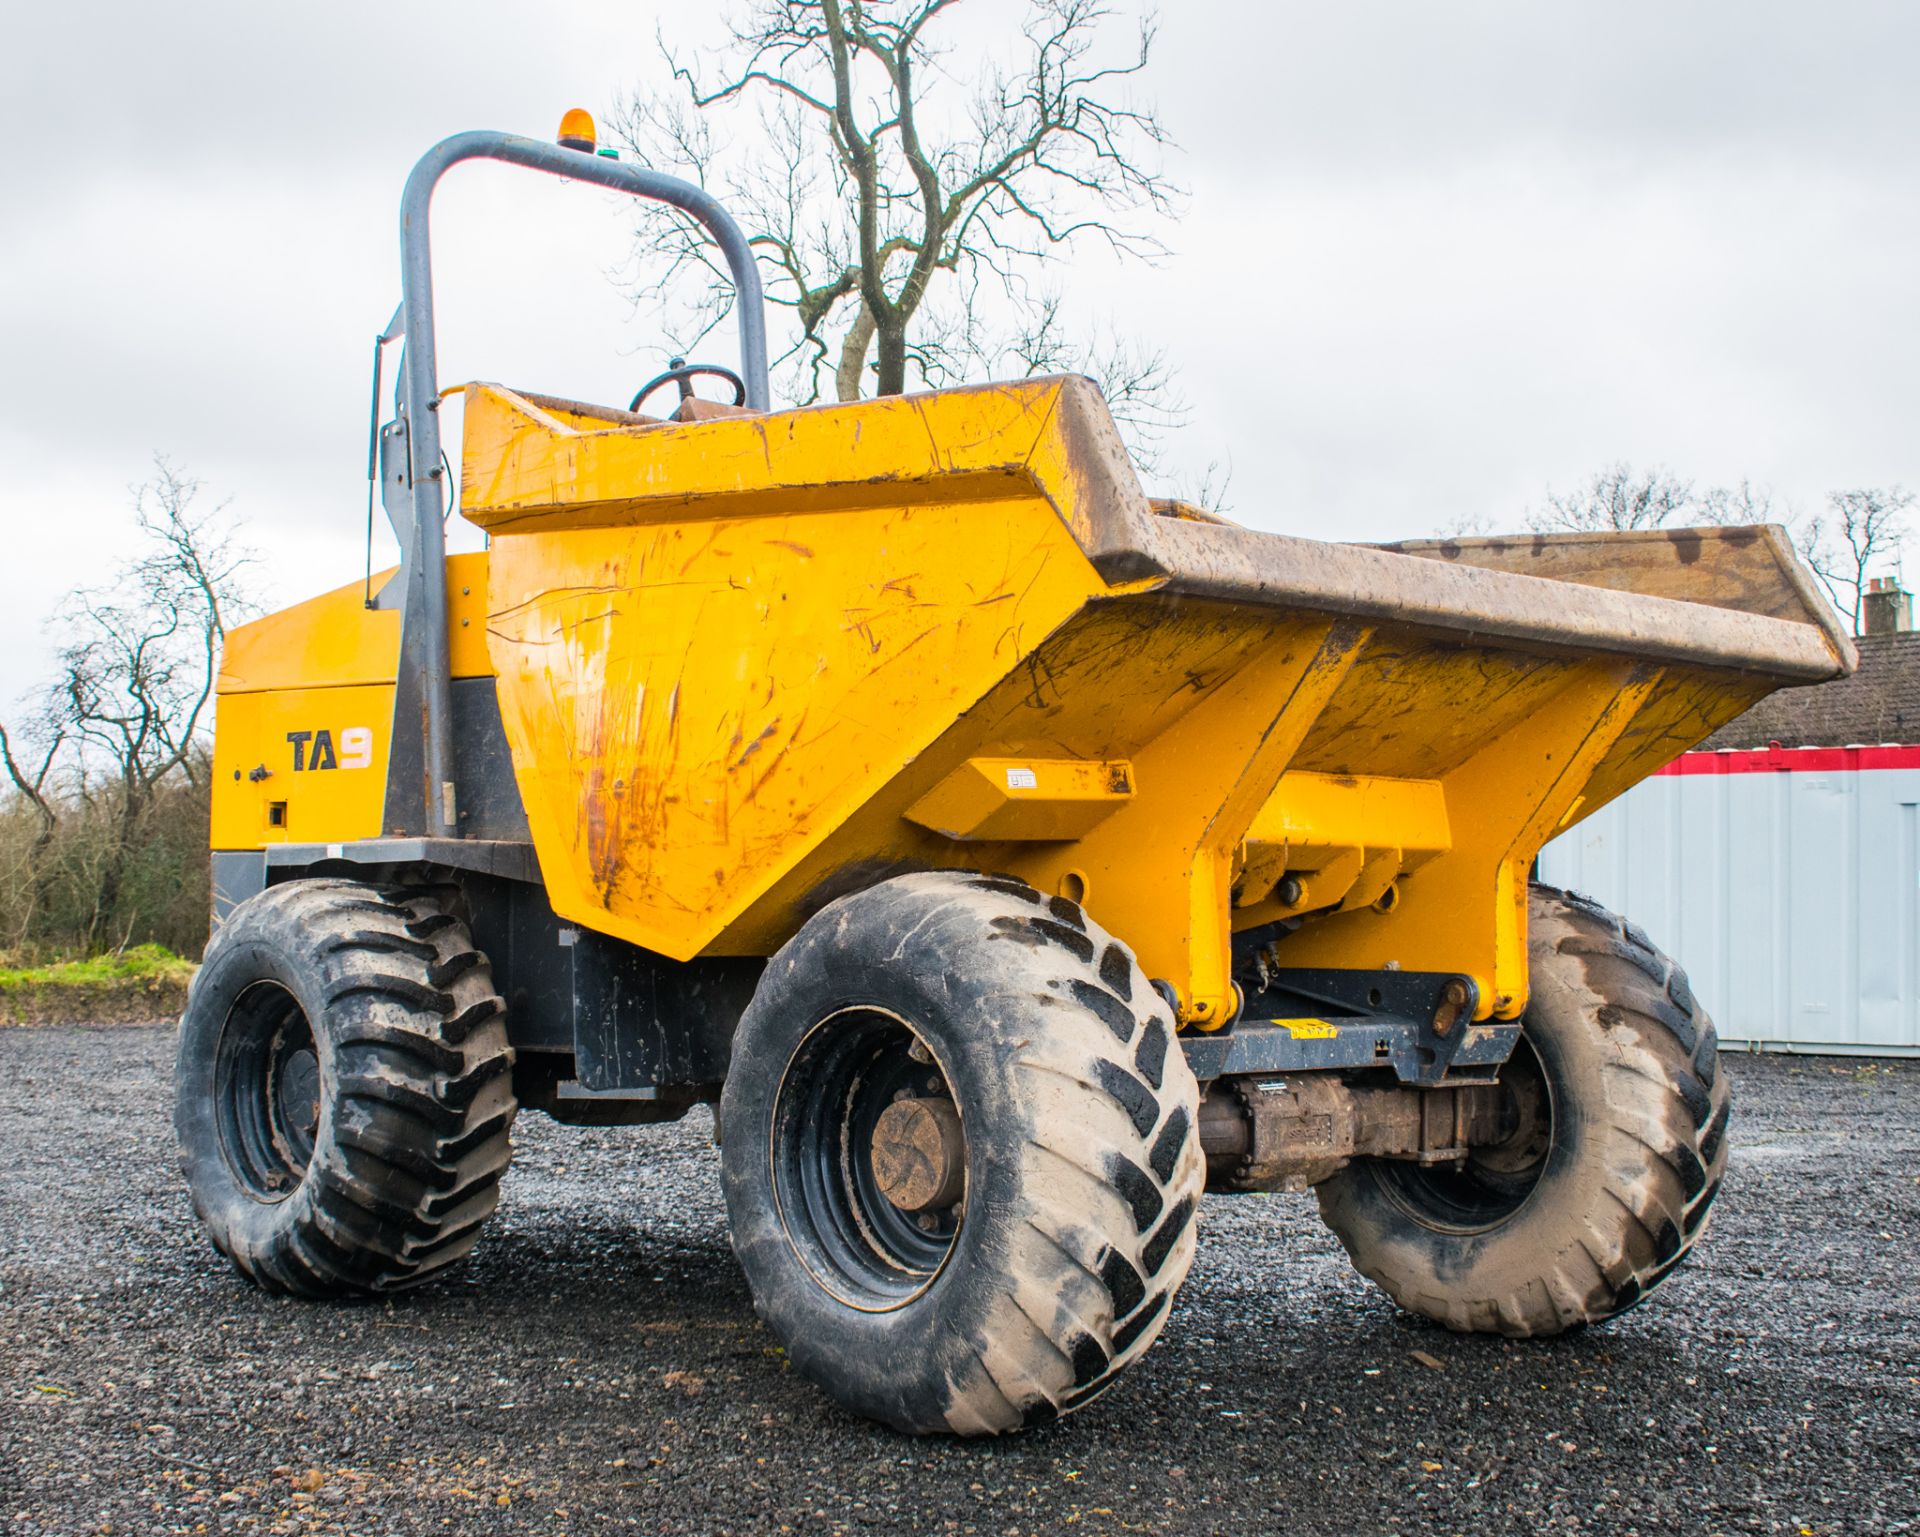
(1795, 760)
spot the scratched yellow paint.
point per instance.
(692, 706)
(1166, 860)
(1194, 698)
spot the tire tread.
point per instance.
(1662, 1107)
(422, 1104)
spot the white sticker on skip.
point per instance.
(1022, 779)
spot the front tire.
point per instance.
(343, 1090)
(1606, 1183)
(1018, 1241)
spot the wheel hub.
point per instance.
(919, 1154)
(268, 1091)
(299, 1095)
(848, 1155)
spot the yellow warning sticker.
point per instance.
(1308, 1029)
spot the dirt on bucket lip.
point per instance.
(598, 1365)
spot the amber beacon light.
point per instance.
(577, 130)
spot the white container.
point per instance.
(1785, 880)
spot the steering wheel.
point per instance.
(681, 372)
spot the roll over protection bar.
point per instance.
(422, 797)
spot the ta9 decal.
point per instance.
(315, 750)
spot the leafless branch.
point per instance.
(1858, 531)
(1616, 498)
(899, 202)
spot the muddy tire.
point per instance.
(1617, 1183)
(344, 1089)
(1036, 1035)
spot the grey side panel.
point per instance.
(489, 801)
(513, 923)
(405, 811)
(630, 1019)
(236, 876)
(641, 1019)
(490, 805)
(409, 805)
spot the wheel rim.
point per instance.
(1494, 1183)
(857, 1245)
(267, 1091)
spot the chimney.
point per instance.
(1887, 607)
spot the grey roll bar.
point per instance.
(422, 799)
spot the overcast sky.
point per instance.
(1435, 258)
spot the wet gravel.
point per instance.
(598, 1366)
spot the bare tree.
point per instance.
(1618, 497)
(1858, 531)
(1738, 506)
(874, 167)
(1622, 498)
(135, 678)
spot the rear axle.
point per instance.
(1275, 1133)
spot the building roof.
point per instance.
(1879, 703)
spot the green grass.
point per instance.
(147, 964)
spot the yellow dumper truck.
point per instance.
(1007, 856)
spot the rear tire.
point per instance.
(1527, 1241)
(343, 1091)
(1018, 1015)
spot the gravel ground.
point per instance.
(597, 1365)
